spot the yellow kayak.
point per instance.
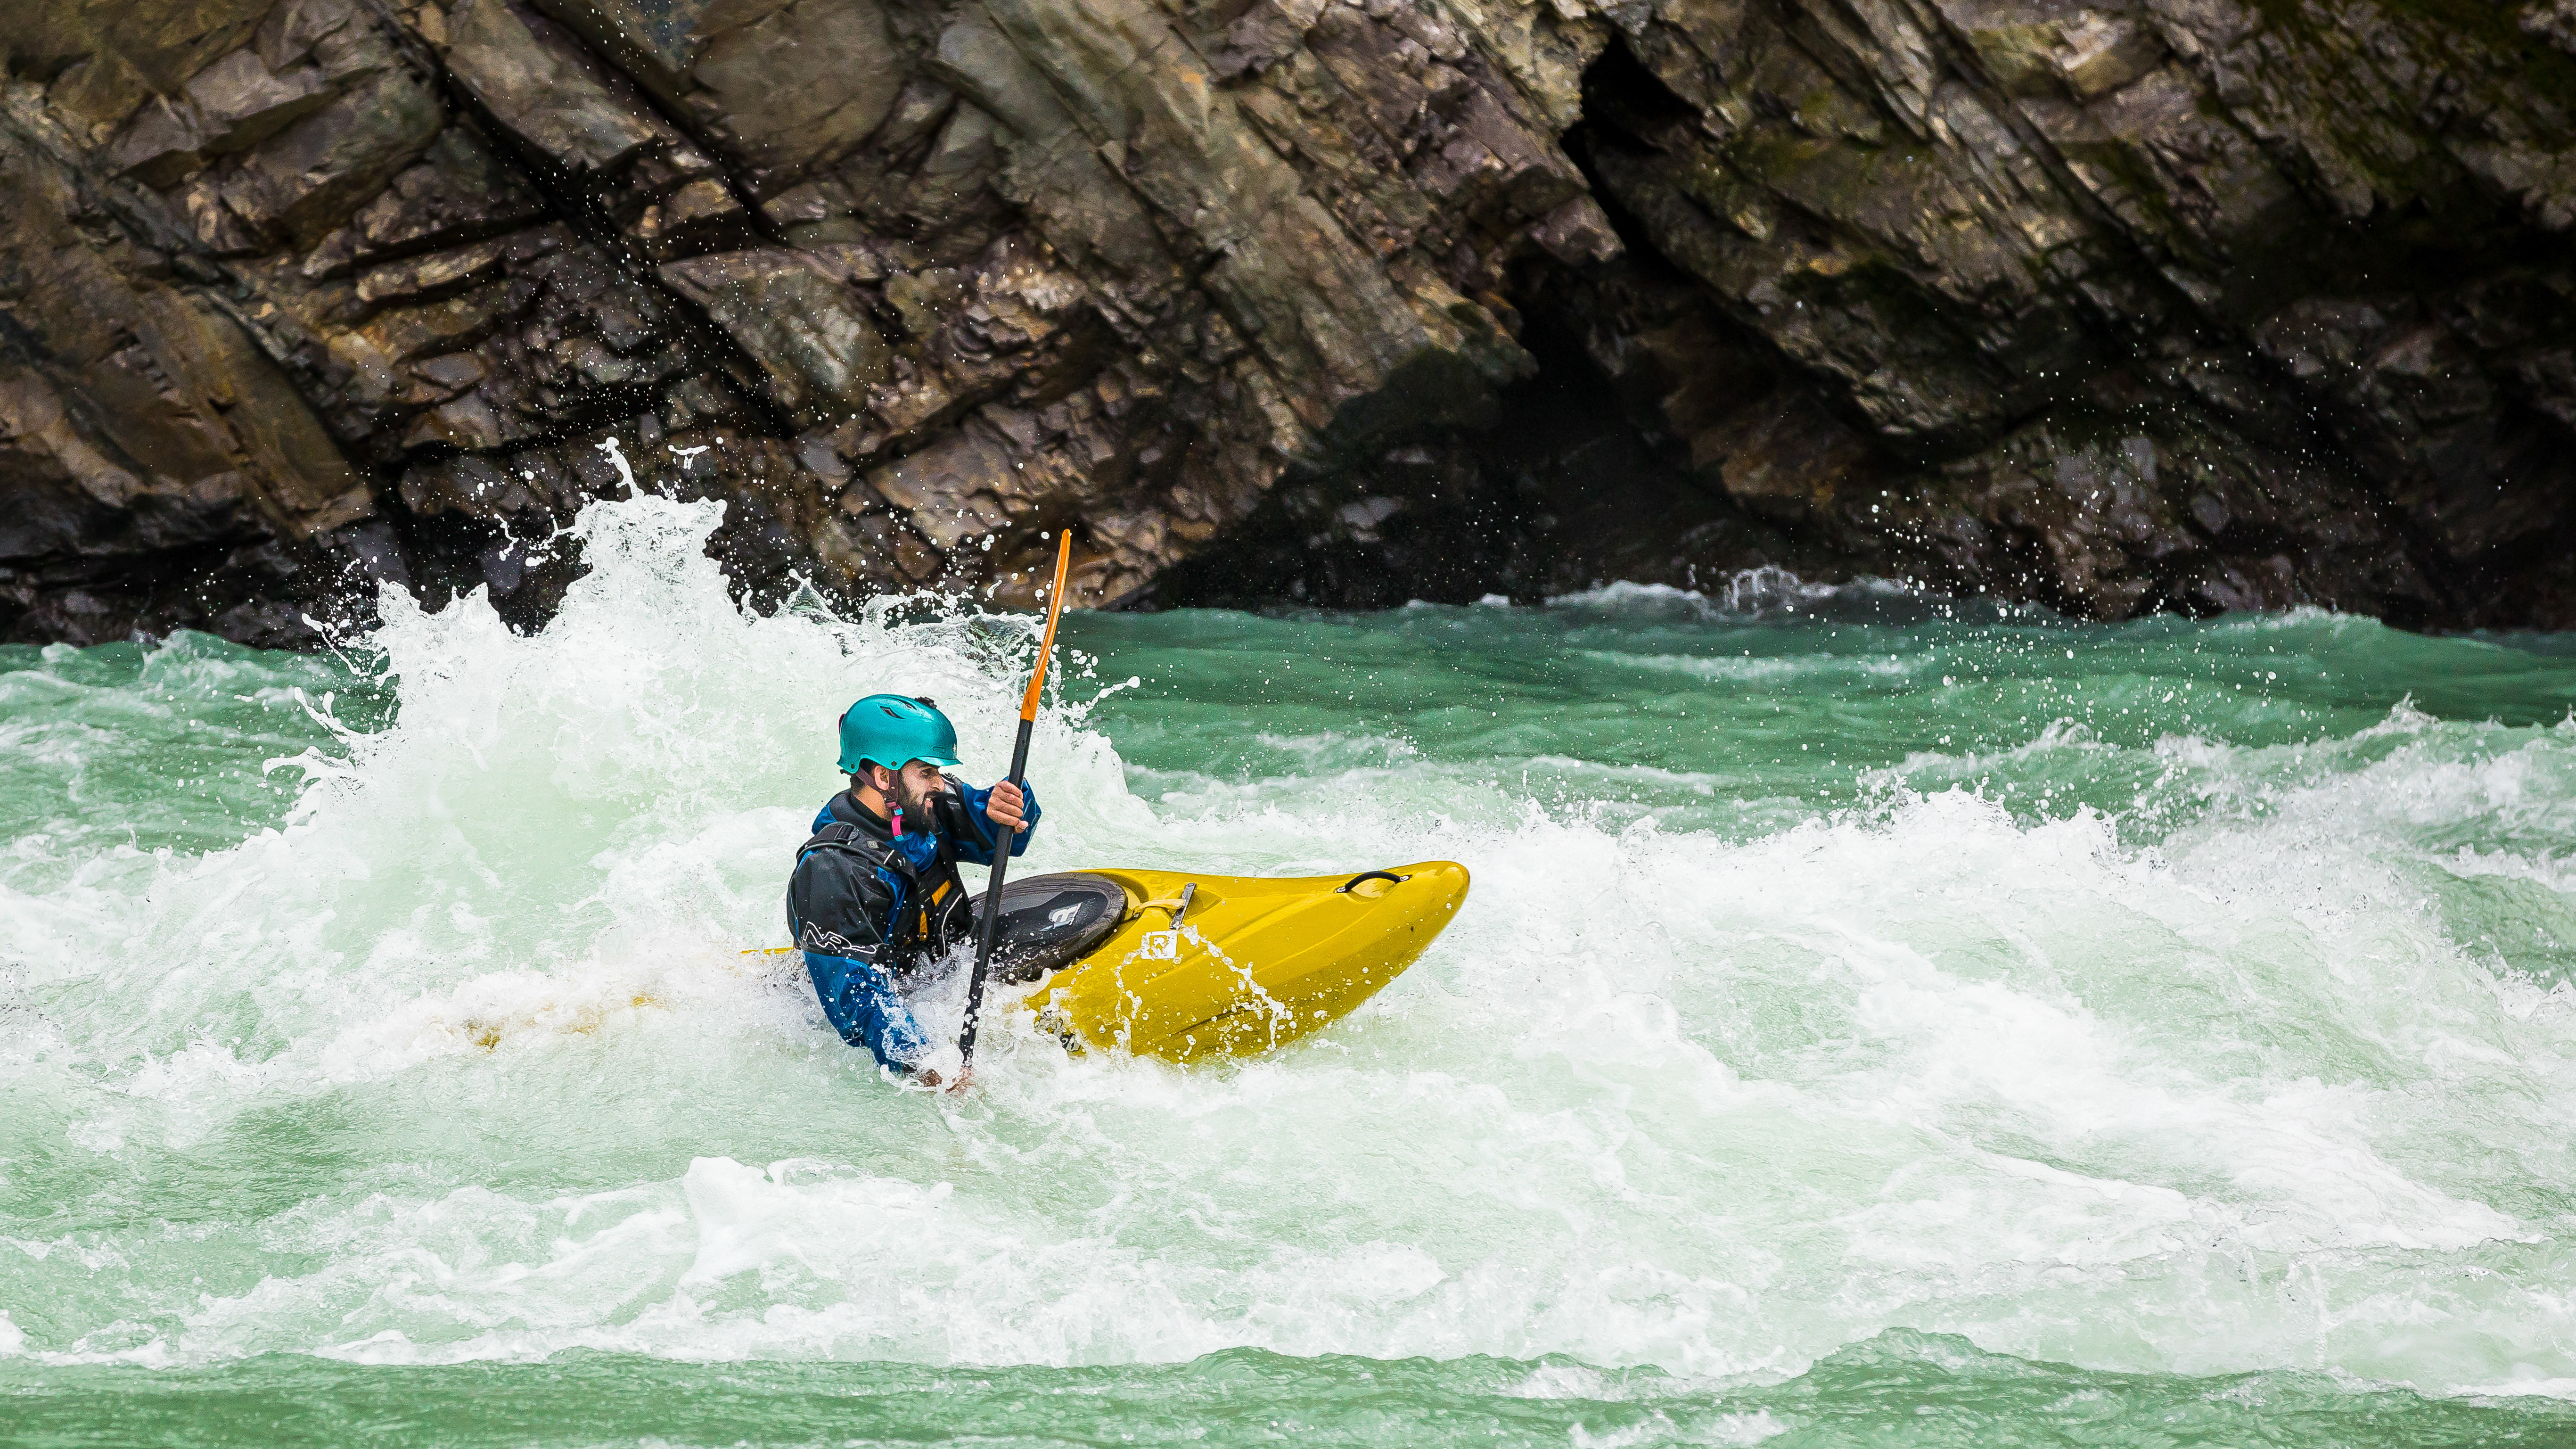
(1255, 962)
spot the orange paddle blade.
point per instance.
(1055, 611)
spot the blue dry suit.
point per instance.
(868, 908)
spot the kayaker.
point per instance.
(876, 892)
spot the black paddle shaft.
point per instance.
(992, 905)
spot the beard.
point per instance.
(916, 805)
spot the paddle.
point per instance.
(1002, 843)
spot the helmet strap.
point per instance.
(865, 783)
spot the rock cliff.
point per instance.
(2150, 304)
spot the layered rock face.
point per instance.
(2182, 304)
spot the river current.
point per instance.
(1877, 1020)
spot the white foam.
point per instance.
(1746, 593)
(2239, 1101)
(1746, 667)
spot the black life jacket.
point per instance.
(930, 917)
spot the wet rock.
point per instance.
(2000, 237)
(148, 448)
(459, 192)
(549, 94)
(2146, 304)
(778, 88)
(789, 311)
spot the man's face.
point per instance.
(914, 785)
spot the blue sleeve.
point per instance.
(975, 843)
(835, 904)
(865, 1010)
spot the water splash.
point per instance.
(2222, 1036)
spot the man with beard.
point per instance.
(876, 891)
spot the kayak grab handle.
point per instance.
(1390, 877)
(1173, 907)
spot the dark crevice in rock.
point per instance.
(1622, 98)
(1569, 480)
(1575, 477)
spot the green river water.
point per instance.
(1876, 1021)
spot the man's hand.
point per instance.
(930, 1078)
(1004, 806)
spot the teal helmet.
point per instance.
(892, 729)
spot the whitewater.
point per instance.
(1876, 1019)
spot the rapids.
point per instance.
(1877, 1019)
